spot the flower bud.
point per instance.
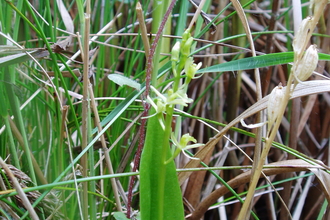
(185, 50)
(175, 52)
(307, 64)
(301, 37)
(185, 36)
(275, 98)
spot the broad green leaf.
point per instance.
(160, 194)
(123, 80)
(120, 216)
(256, 62)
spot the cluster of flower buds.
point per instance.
(180, 57)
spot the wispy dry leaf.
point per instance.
(62, 45)
(66, 18)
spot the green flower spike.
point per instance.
(182, 146)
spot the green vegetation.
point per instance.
(224, 110)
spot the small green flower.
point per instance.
(160, 109)
(178, 98)
(171, 98)
(183, 145)
(185, 48)
(185, 36)
(191, 68)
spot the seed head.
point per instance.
(275, 98)
(307, 64)
(301, 37)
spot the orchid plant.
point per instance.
(157, 167)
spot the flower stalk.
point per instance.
(157, 168)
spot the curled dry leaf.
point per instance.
(66, 18)
(324, 179)
(62, 45)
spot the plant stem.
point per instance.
(85, 105)
(149, 72)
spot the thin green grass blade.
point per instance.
(14, 104)
(22, 57)
(129, 100)
(256, 62)
(323, 210)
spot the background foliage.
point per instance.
(41, 95)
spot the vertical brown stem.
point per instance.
(85, 109)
